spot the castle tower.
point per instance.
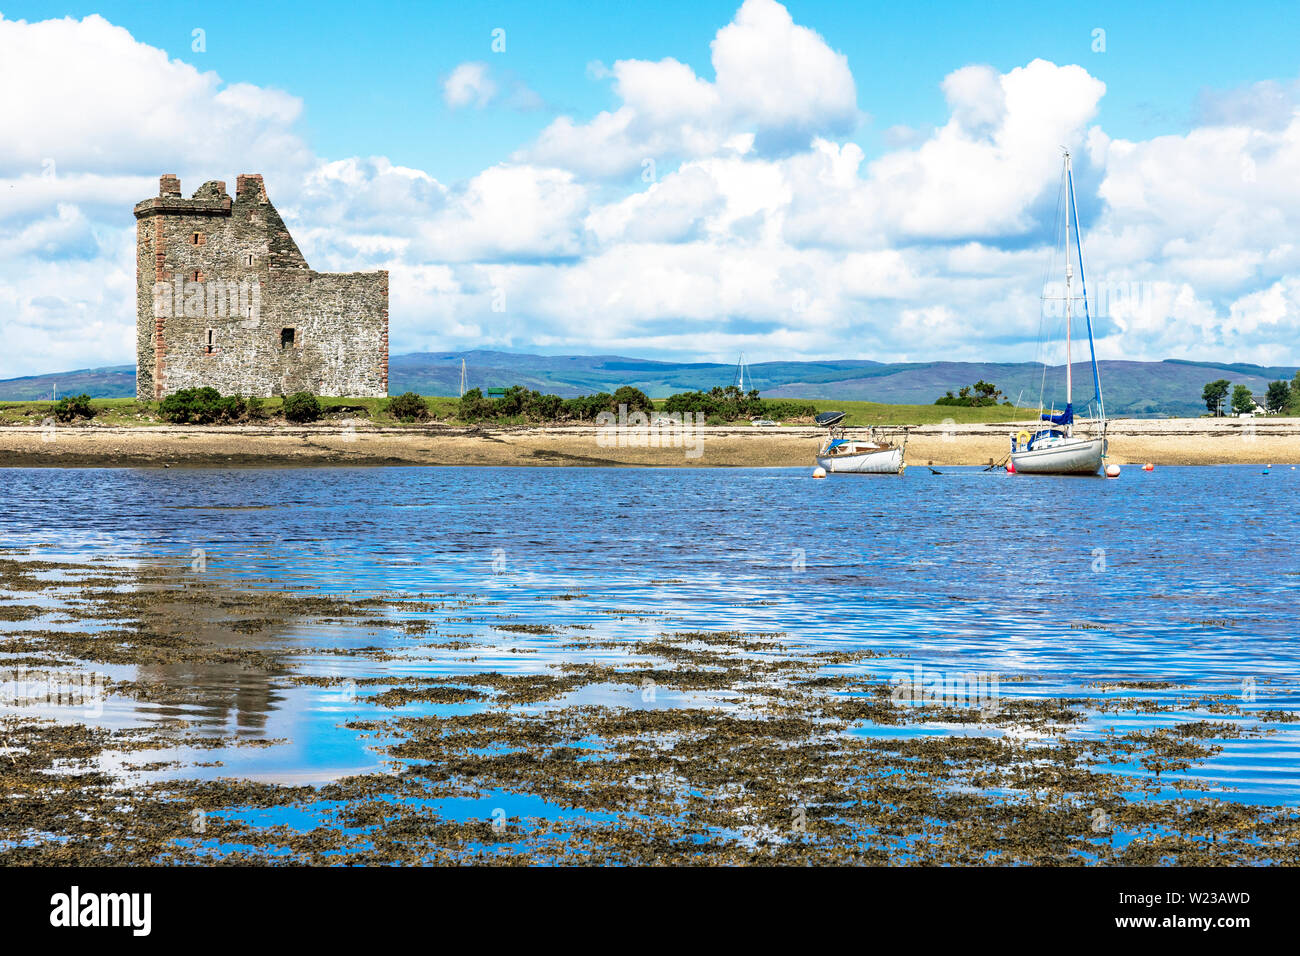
(225, 298)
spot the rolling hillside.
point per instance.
(113, 381)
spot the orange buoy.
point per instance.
(1148, 467)
(1112, 471)
(819, 472)
(1011, 469)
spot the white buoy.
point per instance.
(1112, 471)
(819, 472)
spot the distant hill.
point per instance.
(1171, 387)
(1131, 389)
(113, 381)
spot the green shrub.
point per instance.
(70, 407)
(547, 408)
(301, 407)
(473, 406)
(519, 402)
(635, 400)
(730, 404)
(409, 407)
(585, 408)
(200, 406)
(979, 395)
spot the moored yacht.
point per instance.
(840, 454)
(1053, 448)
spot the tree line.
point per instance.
(1281, 397)
(718, 405)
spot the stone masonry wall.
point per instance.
(242, 282)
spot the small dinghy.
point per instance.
(855, 456)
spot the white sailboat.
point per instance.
(1054, 448)
(855, 456)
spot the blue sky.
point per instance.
(371, 76)
(681, 180)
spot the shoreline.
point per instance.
(357, 443)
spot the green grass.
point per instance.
(109, 411)
(127, 411)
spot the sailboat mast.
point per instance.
(1083, 288)
(1069, 275)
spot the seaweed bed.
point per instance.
(780, 756)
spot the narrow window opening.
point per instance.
(286, 338)
(248, 259)
(197, 238)
(211, 341)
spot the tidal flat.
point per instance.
(493, 671)
(356, 441)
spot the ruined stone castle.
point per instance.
(226, 299)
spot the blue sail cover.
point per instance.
(1065, 418)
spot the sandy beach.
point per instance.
(1132, 441)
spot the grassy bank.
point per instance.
(128, 411)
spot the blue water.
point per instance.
(1181, 575)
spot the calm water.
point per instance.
(1184, 575)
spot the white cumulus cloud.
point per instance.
(469, 84)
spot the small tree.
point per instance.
(1213, 395)
(548, 408)
(1242, 400)
(408, 407)
(635, 399)
(70, 407)
(1279, 397)
(301, 407)
(473, 406)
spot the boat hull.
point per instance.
(1074, 456)
(887, 461)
